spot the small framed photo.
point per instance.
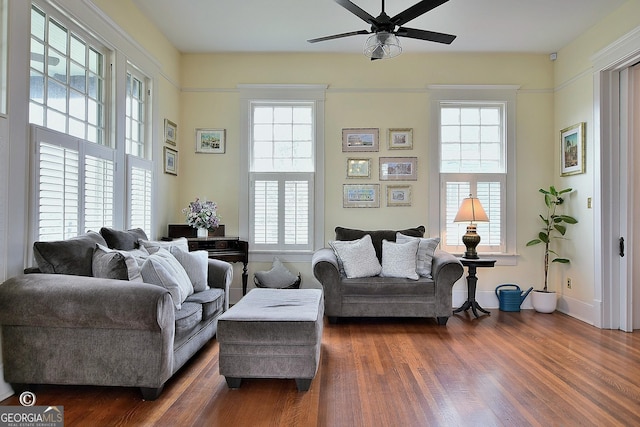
(572, 149)
(358, 168)
(400, 139)
(211, 141)
(361, 196)
(398, 168)
(398, 195)
(170, 161)
(361, 139)
(170, 132)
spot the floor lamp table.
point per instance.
(472, 281)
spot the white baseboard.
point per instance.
(5, 388)
(578, 309)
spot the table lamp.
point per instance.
(472, 211)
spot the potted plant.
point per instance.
(203, 216)
(554, 227)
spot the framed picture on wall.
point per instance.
(572, 149)
(360, 139)
(358, 168)
(398, 195)
(211, 141)
(398, 168)
(361, 196)
(400, 139)
(170, 132)
(170, 161)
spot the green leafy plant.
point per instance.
(555, 227)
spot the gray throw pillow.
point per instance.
(426, 250)
(72, 256)
(377, 236)
(278, 277)
(115, 264)
(162, 269)
(196, 264)
(122, 240)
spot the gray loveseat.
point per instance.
(378, 296)
(66, 327)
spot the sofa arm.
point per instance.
(446, 269)
(220, 275)
(60, 300)
(325, 268)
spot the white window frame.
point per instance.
(506, 94)
(282, 93)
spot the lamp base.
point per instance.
(471, 240)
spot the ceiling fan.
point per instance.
(386, 30)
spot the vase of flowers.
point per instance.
(202, 215)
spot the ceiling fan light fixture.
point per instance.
(382, 45)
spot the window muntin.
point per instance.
(67, 79)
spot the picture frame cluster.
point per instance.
(390, 168)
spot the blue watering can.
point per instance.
(511, 299)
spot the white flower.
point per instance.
(202, 214)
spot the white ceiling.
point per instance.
(538, 26)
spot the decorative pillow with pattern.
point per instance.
(426, 249)
(357, 257)
(399, 259)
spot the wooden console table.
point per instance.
(230, 249)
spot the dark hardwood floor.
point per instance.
(507, 369)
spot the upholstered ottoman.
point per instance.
(272, 333)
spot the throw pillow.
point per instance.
(196, 264)
(278, 277)
(377, 236)
(399, 259)
(164, 270)
(72, 256)
(153, 245)
(115, 264)
(426, 249)
(358, 257)
(123, 240)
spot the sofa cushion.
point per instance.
(72, 256)
(123, 240)
(426, 249)
(357, 257)
(377, 236)
(115, 264)
(162, 269)
(154, 245)
(187, 318)
(399, 259)
(212, 301)
(195, 263)
(278, 277)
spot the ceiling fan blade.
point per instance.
(365, 16)
(425, 35)
(416, 10)
(338, 36)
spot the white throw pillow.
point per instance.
(426, 249)
(278, 277)
(399, 259)
(196, 264)
(153, 245)
(358, 257)
(164, 270)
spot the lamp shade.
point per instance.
(382, 45)
(471, 210)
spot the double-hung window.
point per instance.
(283, 155)
(474, 150)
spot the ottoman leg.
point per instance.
(233, 382)
(303, 383)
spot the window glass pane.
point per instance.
(263, 115)
(282, 114)
(283, 132)
(470, 116)
(78, 51)
(450, 116)
(57, 37)
(36, 86)
(37, 23)
(56, 121)
(303, 115)
(77, 79)
(37, 55)
(57, 66)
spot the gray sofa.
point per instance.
(66, 327)
(378, 296)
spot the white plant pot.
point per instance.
(544, 302)
(203, 232)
